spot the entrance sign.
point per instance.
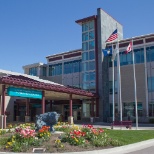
(21, 92)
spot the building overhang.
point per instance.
(80, 21)
(52, 91)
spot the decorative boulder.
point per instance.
(47, 119)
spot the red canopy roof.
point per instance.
(19, 80)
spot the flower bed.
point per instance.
(24, 137)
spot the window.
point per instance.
(33, 71)
(92, 86)
(85, 66)
(85, 46)
(85, 27)
(85, 77)
(44, 71)
(150, 54)
(91, 45)
(92, 65)
(129, 109)
(85, 86)
(151, 84)
(55, 69)
(91, 25)
(91, 55)
(92, 76)
(151, 109)
(86, 109)
(139, 55)
(91, 35)
(84, 36)
(84, 56)
(125, 59)
(72, 67)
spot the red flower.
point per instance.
(83, 133)
(101, 130)
(90, 126)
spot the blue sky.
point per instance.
(30, 30)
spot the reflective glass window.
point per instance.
(92, 65)
(84, 36)
(55, 69)
(91, 25)
(85, 86)
(44, 71)
(84, 56)
(85, 27)
(151, 84)
(72, 67)
(91, 55)
(91, 35)
(85, 77)
(150, 53)
(92, 76)
(139, 55)
(85, 66)
(33, 71)
(92, 86)
(85, 46)
(91, 45)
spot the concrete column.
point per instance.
(43, 102)
(3, 107)
(70, 105)
(70, 118)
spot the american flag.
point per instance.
(113, 36)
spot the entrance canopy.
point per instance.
(53, 91)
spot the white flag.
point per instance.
(115, 52)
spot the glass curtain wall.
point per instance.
(55, 69)
(88, 56)
(33, 71)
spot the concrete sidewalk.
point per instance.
(108, 126)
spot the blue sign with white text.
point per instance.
(21, 92)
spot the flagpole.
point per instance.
(119, 78)
(135, 90)
(113, 83)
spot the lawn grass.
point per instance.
(130, 136)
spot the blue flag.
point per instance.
(107, 52)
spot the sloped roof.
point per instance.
(23, 81)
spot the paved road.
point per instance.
(149, 150)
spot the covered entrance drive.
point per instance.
(47, 93)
